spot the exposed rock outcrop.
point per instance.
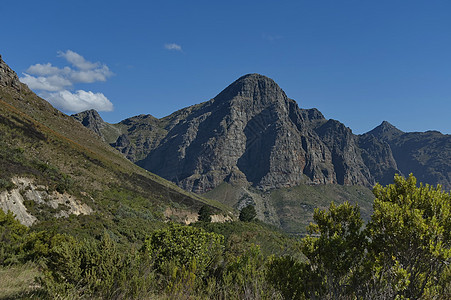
(8, 77)
(15, 199)
(92, 120)
(425, 154)
(252, 133)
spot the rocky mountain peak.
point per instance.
(91, 119)
(253, 87)
(8, 77)
(253, 133)
(88, 117)
(385, 131)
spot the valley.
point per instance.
(95, 210)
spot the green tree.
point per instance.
(205, 213)
(247, 213)
(288, 276)
(244, 276)
(12, 238)
(410, 230)
(184, 256)
(334, 249)
(404, 252)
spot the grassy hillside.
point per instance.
(59, 154)
(291, 209)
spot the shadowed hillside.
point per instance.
(52, 166)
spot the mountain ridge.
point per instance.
(61, 160)
(252, 133)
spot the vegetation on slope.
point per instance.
(41, 143)
(291, 209)
(404, 252)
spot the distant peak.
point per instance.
(8, 77)
(89, 112)
(253, 86)
(386, 126)
(385, 131)
(89, 116)
(254, 76)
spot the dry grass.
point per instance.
(18, 281)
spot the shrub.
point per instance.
(184, 255)
(205, 213)
(12, 238)
(410, 230)
(248, 213)
(93, 268)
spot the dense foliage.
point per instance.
(205, 213)
(404, 252)
(248, 213)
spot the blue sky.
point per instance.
(360, 62)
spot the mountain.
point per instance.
(134, 137)
(51, 166)
(251, 144)
(251, 132)
(425, 154)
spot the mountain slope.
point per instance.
(252, 133)
(425, 154)
(249, 133)
(59, 156)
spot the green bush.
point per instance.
(6, 185)
(288, 276)
(93, 268)
(205, 213)
(184, 256)
(12, 238)
(410, 230)
(404, 252)
(248, 213)
(244, 276)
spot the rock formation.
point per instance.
(425, 154)
(252, 133)
(8, 77)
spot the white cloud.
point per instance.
(53, 83)
(78, 101)
(90, 76)
(43, 70)
(50, 83)
(51, 78)
(77, 60)
(173, 46)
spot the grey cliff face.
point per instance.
(346, 157)
(251, 132)
(92, 120)
(378, 156)
(8, 77)
(389, 150)
(146, 133)
(425, 154)
(134, 137)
